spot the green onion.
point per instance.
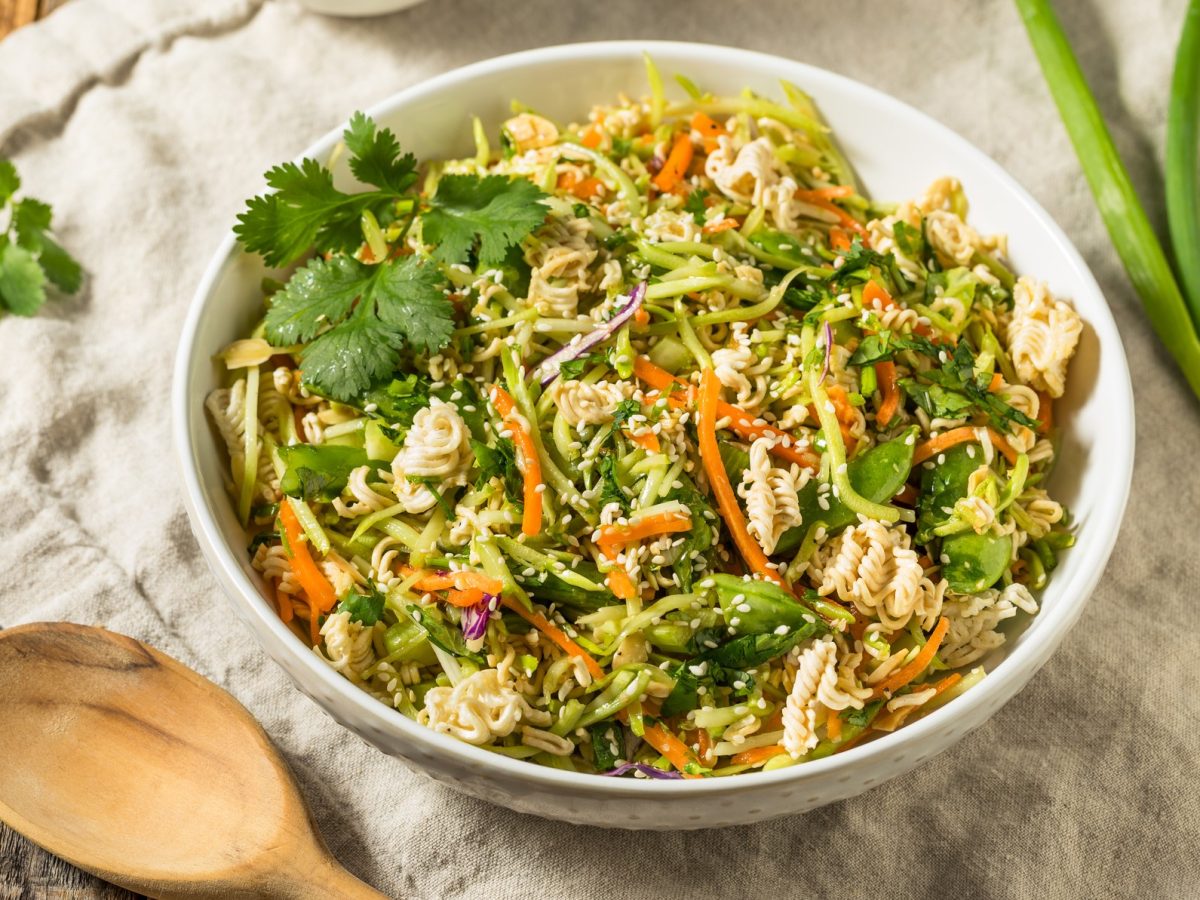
(1119, 206)
(1183, 193)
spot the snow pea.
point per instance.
(970, 562)
(878, 475)
(759, 607)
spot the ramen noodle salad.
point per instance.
(645, 445)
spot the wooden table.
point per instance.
(27, 871)
(15, 13)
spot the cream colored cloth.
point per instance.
(146, 123)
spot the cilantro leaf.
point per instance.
(29, 257)
(408, 295)
(500, 462)
(22, 282)
(377, 159)
(573, 368)
(494, 212)
(371, 313)
(625, 411)
(306, 209)
(319, 294)
(349, 358)
(695, 204)
(363, 608)
(610, 485)
(10, 181)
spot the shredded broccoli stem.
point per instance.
(625, 186)
(309, 524)
(837, 456)
(688, 336)
(250, 446)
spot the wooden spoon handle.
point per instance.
(326, 879)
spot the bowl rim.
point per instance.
(996, 688)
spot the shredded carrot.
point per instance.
(647, 440)
(833, 725)
(773, 722)
(948, 682)
(621, 584)
(702, 743)
(641, 317)
(464, 598)
(316, 586)
(996, 383)
(718, 480)
(725, 224)
(756, 756)
(1045, 412)
(461, 580)
(908, 495)
(676, 165)
(741, 421)
(709, 130)
(921, 661)
(283, 605)
(527, 461)
(592, 138)
(675, 750)
(932, 447)
(847, 221)
(873, 291)
(885, 374)
(554, 633)
(663, 523)
(839, 239)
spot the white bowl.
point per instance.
(897, 151)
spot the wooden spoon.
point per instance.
(128, 764)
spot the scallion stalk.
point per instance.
(1183, 192)
(1126, 220)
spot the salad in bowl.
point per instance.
(646, 444)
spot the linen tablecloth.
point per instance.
(146, 123)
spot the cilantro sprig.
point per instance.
(29, 258)
(354, 317)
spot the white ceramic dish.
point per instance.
(431, 120)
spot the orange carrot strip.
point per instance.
(641, 317)
(1045, 412)
(283, 605)
(996, 383)
(741, 421)
(757, 756)
(675, 750)
(920, 662)
(676, 165)
(873, 291)
(554, 633)
(718, 480)
(908, 495)
(462, 580)
(621, 584)
(592, 138)
(647, 440)
(527, 461)
(833, 725)
(464, 598)
(709, 130)
(838, 239)
(844, 218)
(885, 374)
(588, 188)
(664, 523)
(947, 439)
(948, 682)
(724, 225)
(316, 586)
